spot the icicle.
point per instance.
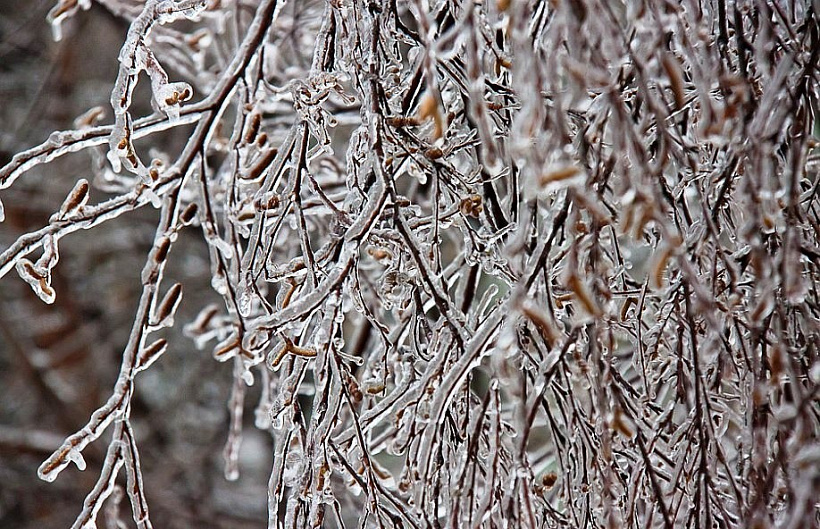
(236, 409)
(76, 457)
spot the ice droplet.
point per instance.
(76, 457)
(231, 473)
(155, 199)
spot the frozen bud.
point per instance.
(188, 214)
(254, 122)
(164, 316)
(227, 349)
(161, 250)
(76, 199)
(89, 118)
(151, 354)
(171, 95)
(267, 201)
(202, 321)
(37, 279)
(549, 479)
(434, 153)
(560, 176)
(471, 206)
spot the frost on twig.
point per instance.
(525, 264)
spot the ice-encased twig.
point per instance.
(117, 404)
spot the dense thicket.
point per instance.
(472, 264)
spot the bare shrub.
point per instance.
(484, 263)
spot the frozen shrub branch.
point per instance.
(523, 263)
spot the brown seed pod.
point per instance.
(547, 331)
(627, 305)
(204, 318)
(29, 269)
(259, 166)
(428, 107)
(620, 423)
(561, 299)
(379, 254)
(62, 7)
(222, 350)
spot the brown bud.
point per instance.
(548, 480)
(169, 303)
(76, 198)
(471, 206)
(161, 250)
(151, 353)
(434, 153)
(188, 214)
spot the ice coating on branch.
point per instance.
(134, 57)
(548, 255)
(172, 10)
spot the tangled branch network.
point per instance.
(493, 263)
